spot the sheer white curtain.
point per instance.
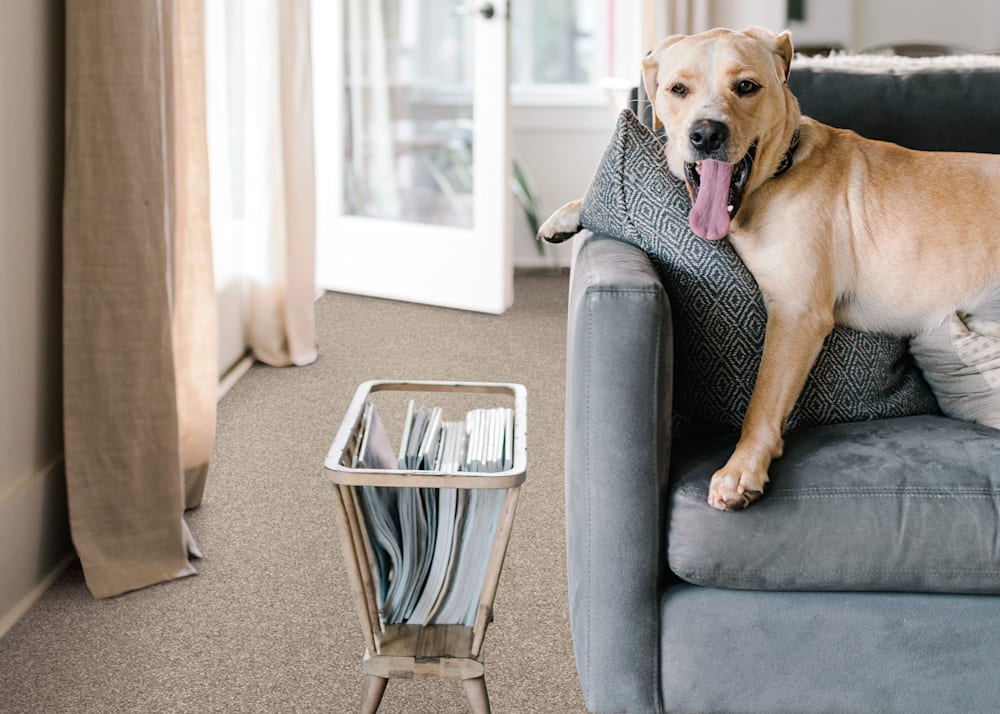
(373, 160)
(260, 139)
(685, 17)
(691, 16)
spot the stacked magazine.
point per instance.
(430, 546)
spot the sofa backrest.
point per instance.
(929, 103)
(934, 103)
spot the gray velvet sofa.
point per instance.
(867, 579)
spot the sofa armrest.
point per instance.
(618, 388)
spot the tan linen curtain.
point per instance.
(139, 333)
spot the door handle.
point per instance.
(487, 10)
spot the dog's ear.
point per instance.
(783, 46)
(780, 44)
(650, 68)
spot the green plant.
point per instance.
(526, 196)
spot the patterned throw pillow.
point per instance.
(718, 312)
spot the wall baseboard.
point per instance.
(233, 375)
(35, 543)
(52, 472)
(10, 617)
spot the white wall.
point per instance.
(969, 24)
(559, 148)
(973, 25)
(33, 523)
(828, 23)
(737, 14)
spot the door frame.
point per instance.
(439, 265)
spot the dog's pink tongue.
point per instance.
(710, 215)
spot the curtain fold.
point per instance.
(261, 148)
(138, 300)
(687, 16)
(298, 167)
(195, 331)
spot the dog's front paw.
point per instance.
(734, 487)
(561, 225)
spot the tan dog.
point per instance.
(858, 232)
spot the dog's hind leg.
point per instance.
(983, 326)
(984, 318)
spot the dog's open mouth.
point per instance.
(718, 190)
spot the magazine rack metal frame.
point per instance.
(398, 651)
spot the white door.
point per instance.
(413, 150)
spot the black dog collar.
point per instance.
(786, 161)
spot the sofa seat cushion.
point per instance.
(768, 652)
(907, 504)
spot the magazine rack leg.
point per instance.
(371, 697)
(475, 692)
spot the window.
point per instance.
(553, 42)
(571, 51)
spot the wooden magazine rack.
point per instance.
(401, 650)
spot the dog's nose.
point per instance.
(708, 135)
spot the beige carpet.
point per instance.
(268, 625)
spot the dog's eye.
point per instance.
(746, 87)
(679, 89)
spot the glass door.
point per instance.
(412, 150)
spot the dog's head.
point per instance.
(729, 116)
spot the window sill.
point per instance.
(603, 93)
(561, 107)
